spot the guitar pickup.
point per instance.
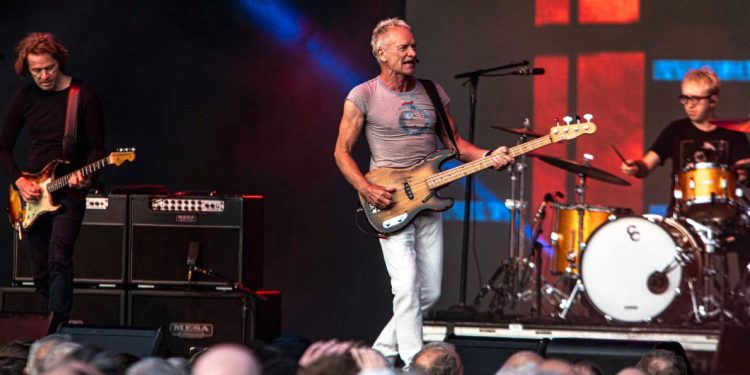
(407, 190)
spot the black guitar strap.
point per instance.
(71, 123)
(442, 123)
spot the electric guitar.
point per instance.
(23, 214)
(416, 186)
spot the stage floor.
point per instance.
(696, 339)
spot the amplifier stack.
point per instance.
(133, 259)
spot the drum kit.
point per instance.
(628, 268)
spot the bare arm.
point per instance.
(647, 163)
(469, 151)
(352, 122)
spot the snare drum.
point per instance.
(634, 267)
(707, 192)
(565, 241)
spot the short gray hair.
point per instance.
(383, 27)
(39, 350)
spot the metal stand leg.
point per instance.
(567, 303)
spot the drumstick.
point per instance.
(622, 157)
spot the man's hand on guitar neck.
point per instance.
(29, 189)
(379, 196)
(77, 181)
(500, 158)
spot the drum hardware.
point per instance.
(572, 228)
(514, 273)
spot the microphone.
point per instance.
(192, 255)
(528, 72)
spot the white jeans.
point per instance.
(414, 259)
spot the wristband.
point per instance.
(642, 169)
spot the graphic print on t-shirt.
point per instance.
(412, 119)
(693, 151)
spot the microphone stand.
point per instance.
(238, 287)
(473, 81)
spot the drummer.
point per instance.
(694, 139)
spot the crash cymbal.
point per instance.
(588, 171)
(520, 131)
(738, 125)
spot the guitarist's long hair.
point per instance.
(37, 44)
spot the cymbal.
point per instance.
(738, 125)
(588, 171)
(520, 131)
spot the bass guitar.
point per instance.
(416, 186)
(23, 214)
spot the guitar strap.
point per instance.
(442, 123)
(71, 122)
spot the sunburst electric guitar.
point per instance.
(416, 186)
(23, 214)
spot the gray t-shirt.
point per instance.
(399, 126)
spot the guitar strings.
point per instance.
(422, 185)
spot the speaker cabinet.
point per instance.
(202, 319)
(99, 252)
(142, 342)
(90, 306)
(486, 355)
(17, 326)
(222, 234)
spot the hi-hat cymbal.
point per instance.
(588, 171)
(520, 131)
(738, 125)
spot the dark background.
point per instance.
(244, 97)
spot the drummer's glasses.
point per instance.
(693, 100)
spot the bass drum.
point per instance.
(634, 267)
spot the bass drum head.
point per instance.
(617, 263)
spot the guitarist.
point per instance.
(41, 108)
(399, 122)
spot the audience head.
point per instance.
(152, 366)
(662, 362)
(587, 368)
(522, 362)
(439, 358)
(631, 371)
(39, 350)
(227, 359)
(555, 366)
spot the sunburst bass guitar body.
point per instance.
(412, 196)
(416, 186)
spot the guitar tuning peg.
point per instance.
(567, 120)
(588, 117)
(578, 119)
(557, 121)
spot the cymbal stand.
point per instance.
(517, 206)
(573, 256)
(513, 272)
(714, 274)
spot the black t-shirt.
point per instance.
(685, 144)
(43, 114)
